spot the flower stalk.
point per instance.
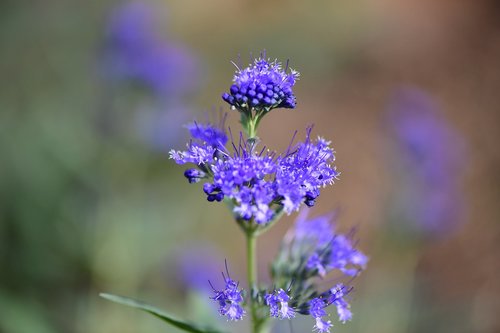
(259, 186)
(251, 239)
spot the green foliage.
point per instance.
(166, 317)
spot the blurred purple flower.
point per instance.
(135, 50)
(431, 154)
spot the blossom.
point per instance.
(207, 133)
(195, 263)
(303, 172)
(316, 310)
(279, 306)
(258, 183)
(262, 85)
(207, 140)
(339, 254)
(135, 50)
(430, 154)
(311, 249)
(337, 298)
(230, 300)
(325, 250)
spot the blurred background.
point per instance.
(95, 93)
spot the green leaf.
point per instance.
(158, 313)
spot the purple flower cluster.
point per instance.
(279, 306)
(263, 85)
(316, 307)
(135, 50)
(430, 153)
(230, 300)
(301, 174)
(317, 311)
(258, 183)
(313, 249)
(327, 250)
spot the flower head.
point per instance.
(209, 134)
(207, 140)
(136, 51)
(430, 154)
(302, 173)
(313, 247)
(258, 183)
(337, 298)
(230, 299)
(339, 254)
(262, 85)
(279, 306)
(317, 311)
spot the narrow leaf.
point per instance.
(158, 313)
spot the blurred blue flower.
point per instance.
(431, 154)
(135, 50)
(313, 247)
(279, 306)
(311, 250)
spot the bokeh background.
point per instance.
(94, 94)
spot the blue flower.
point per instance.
(263, 85)
(430, 154)
(207, 141)
(279, 306)
(209, 134)
(323, 250)
(337, 298)
(316, 310)
(194, 175)
(313, 249)
(338, 254)
(230, 300)
(305, 170)
(317, 230)
(195, 154)
(135, 50)
(258, 184)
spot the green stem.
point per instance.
(252, 279)
(252, 129)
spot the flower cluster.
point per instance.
(135, 50)
(279, 306)
(316, 307)
(262, 85)
(313, 249)
(429, 153)
(259, 184)
(230, 299)
(291, 267)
